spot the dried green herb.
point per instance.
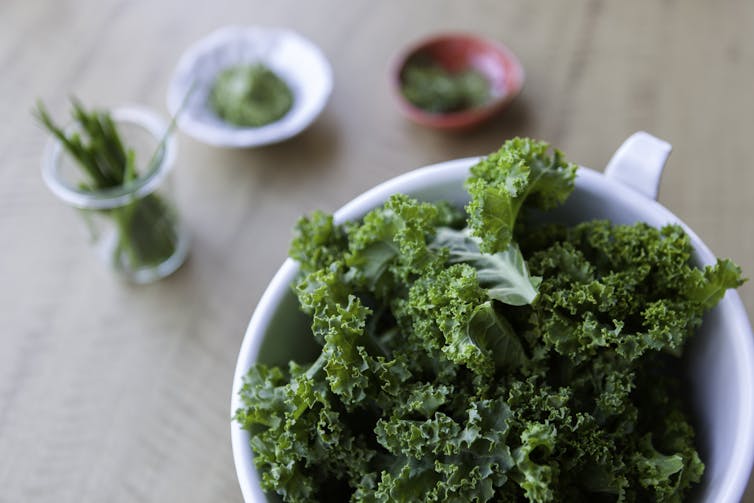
(429, 86)
(250, 95)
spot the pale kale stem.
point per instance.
(372, 341)
(318, 365)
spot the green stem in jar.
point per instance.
(146, 227)
(147, 232)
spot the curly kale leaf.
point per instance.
(657, 471)
(299, 437)
(389, 247)
(503, 274)
(458, 365)
(706, 288)
(630, 288)
(317, 242)
(444, 459)
(451, 312)
(339, 321)
(522, 171)
(536, 478)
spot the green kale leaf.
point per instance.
(503, 274)
(451, 312)
(457, 364)
(522, 171)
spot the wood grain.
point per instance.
(110, 392)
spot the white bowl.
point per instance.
(721, 363)
(296, 60)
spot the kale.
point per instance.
(481, 363)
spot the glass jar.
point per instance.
(134, 228)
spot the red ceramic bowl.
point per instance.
(457, 52)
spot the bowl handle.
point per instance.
(638, 163)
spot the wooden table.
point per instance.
(111, 392)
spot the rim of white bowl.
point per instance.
(734, 483)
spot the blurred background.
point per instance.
(113, 392)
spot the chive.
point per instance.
(146, 227)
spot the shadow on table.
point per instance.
(515, 120)
(306, 155)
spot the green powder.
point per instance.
(430, 87)
(250, 95)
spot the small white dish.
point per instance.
(296, 60)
